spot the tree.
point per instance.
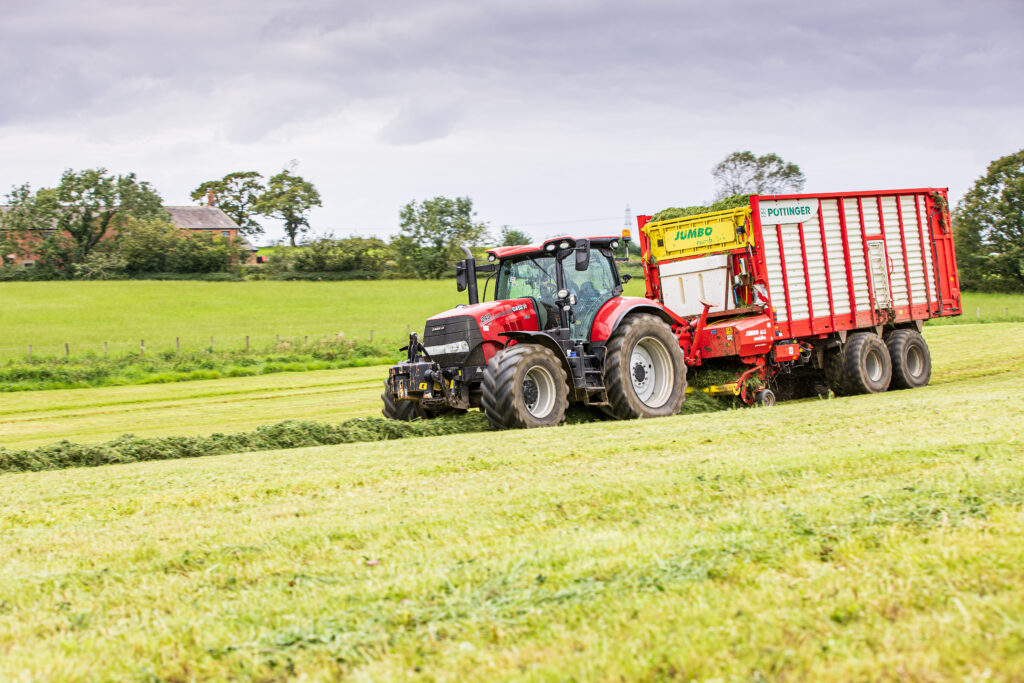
(158, 246)
(289, 198)
(432, 233)
(745, 173)
(510, 237)
(63, 225)
(989, 227)
(237, 195)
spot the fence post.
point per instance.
(29, 353)
(105, 350)
(177, 344)
(277, 339)
(211, 344)
(142, 348)
(247, 343)
(371, 335)
(305, 341)
(67, 350)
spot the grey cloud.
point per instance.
(71, 59)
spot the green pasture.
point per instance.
(86, 315)
(866, 538)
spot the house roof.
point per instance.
(200, 218)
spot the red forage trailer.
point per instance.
(782, 285)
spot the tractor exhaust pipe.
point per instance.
(465, 275)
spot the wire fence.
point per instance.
(230, 343)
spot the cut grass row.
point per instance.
(868, 538)
(32, 419)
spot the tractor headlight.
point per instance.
(550, 247)
(563, 294)
(563, 245)
(490, 257)
(615, 244)
(445, 349)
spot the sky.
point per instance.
(552, 115)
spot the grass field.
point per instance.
(86, 314)
(239, 404)
(874, 537)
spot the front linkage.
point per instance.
(426, 382)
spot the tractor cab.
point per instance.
(567, 281)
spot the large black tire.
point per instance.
(861, 366)
(524, 386)
(911, 359)
(644, 373)
(400, 410)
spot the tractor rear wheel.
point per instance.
(911, 359)
(524, 386)
(400, 410)
(862, 366)
(645, 375)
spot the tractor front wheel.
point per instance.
(524, 386)
(645, 375)
(400, 410)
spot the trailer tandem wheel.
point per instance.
(911, 359)
(645, 375)
(524, 386)
(861, 366)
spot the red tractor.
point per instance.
(558, 331)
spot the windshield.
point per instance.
(534, 277)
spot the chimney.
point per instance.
(209, 198)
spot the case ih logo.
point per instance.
(439, 328)
(492, 316)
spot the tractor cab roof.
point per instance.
(551, 245)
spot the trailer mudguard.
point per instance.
(611, 314)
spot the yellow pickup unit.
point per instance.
(706, 233)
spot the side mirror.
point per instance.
(461, 276)
(582, 254)
(626, 278)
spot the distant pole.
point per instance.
(1006, 311)
(67, 350)
(29, 353)
(142, 347)
(247, 343)
(305, 340)
(105, 350)
(211, 344)
(371, 335)
(277, 339)
(177, 344)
